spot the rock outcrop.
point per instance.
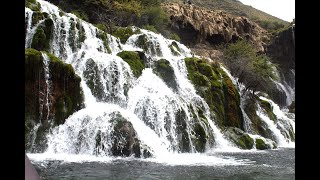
(282, 51)
(196, 25)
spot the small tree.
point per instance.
(255, 71)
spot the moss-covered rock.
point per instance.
(93, 80)
(239, 137)
(201, 137)
(147, 45)
(266, 106)
(34, 81)
(181, 129)
(260, 144)
(258, 125)
(124, 136)
(133, 59)
(163, 69)
(37, 16)
(68, 93)
(214, 85)
(42, 36)
(65, 96)
(233, 113)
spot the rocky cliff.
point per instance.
(197, 25)
(282, 51)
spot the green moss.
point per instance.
(32, 55)
(233, 113)
(123, 33)
(66, 94)
(260, 144)
(268, 109)
(245, 142)
(215, 86)
(133, 59)
(164, 70)
(239, 137)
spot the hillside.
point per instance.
(237, 8)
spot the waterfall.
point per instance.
(147, 102)
(164, 117)
(28, 16)
(284, 123)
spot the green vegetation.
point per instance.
(217, 90)
(119, 13)
(252, 69)
(260, 144)
(239, 137)
(133, 59)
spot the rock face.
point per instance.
(199, 25)
(48, 102)
(124, 136)
(282, 51)
(282, 48)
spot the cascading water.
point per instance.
(46, 100)
(155, 110)
(164, 117)
(284, 127)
